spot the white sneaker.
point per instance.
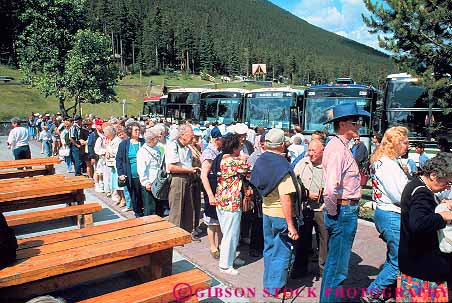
(230, 271)
(239, 262)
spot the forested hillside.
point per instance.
(226, 37)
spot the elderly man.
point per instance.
(310, 173)
(341, 194)
(75, 135)
(179, 163)
(18, 140)
(273, 179)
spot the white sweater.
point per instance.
(388, 182)
(148, 163)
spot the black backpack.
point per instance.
(8, 244)
(214, 170)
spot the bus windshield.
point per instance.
(405, 94)
(269, 112)
(183, 97)
(316, 113)
(222, 110)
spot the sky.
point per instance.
(342, 17)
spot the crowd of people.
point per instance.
(270, 189)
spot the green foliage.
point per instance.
(418, 33)
(90, 74)
(226, 37)
(61, 59)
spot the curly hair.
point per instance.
(441, 164)
(230, 142)
(390, 144)
(130, 126)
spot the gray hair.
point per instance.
(184, 128)
(110, 129)
(46, 299)
(15, 120)
(150, 134)
(441, 164)
(161, 128)
(297, 140)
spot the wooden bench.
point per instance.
(44, 191)
(179, 287)
(24, 168)
(60, 260)
(85, 210)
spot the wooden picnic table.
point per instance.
(17, 194)
(27, 167)
(60, 260)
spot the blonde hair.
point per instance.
(390, 144)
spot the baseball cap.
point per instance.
(215, 133)
(77, 118)
(98, 122)
(274, 138)
(241, 129)
(197, 132)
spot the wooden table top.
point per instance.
(56, 254)
(29, 162)
(42, 186)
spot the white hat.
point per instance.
(241, 129)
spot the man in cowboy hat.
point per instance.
(341, 195)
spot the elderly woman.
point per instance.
(210, 215)
(422, 264)
(112, 145)
(388, 182)
(126, 161)
(233, 169)
(65, 143)
(149, 160)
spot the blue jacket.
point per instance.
(122, 160)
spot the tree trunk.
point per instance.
(62, 108)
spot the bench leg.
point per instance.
(160, 265)
(85, 220)
(50, 170)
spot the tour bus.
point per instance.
(406, 103)
(320, 99)
(273, 107)
(222, 105)
(183, 104)
(154, 106)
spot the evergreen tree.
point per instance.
(419, 33)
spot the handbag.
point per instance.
(122, 183)
(110, 162)
(247, 202)
(64, 151)
(160, 186)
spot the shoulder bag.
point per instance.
(161, 184)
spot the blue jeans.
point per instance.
(388, 225)
(47, 148)
(278, 254)
(75, 153)
(127, 198)
(341, 230)
(68, 162)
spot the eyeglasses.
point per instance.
(356, 139)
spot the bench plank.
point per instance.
(92, 239)
(45, 286)
(29, 162)
(40, 200)
(43, 190)
(42, 266)
(43, 183)
(39, 178)
(161, 290)
(87, 232)
(52, 214)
